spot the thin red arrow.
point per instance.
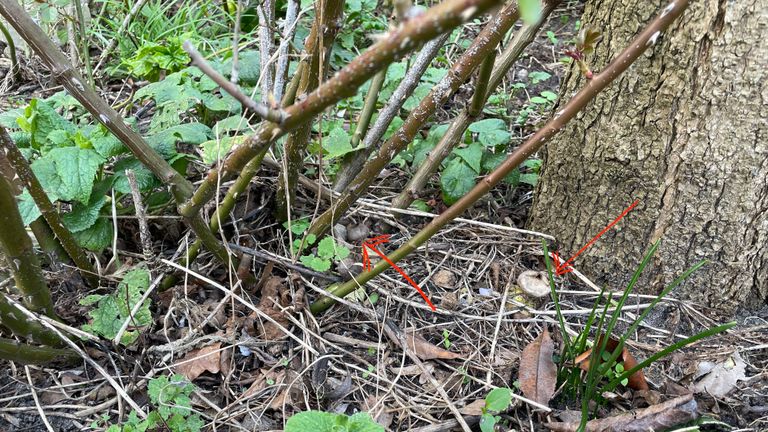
(562, 268)
(378, 240)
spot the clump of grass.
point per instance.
(604, 322)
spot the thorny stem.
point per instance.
(326, 25)
(260, 109)
(22, 169)
(409, 35)
(458, 127)
(20, 256)
(624, 60)
(352, 165)
(14, 351)
(483, 44)
(63, 72)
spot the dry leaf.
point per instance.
(425, 350)
(444, 279)
(538, 373)
(636, 381)
(718, 380)
(473, 409)
(656, 417)
(206, 359)
(271, 294)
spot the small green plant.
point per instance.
(446, 339)
(319, 421)
(608, 373)
(154, 60)
(497, 401)
(173, 408)
(113, 309)
(327, 251)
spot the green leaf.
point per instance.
(113, 309)
(8, 118)
(498, 399)
(472, 155)
(488, 125)
(530, 11)
(531, 179)
(144, 177)
(42, 120)
(539, 100)
(191, 133)
(107, 145)
(491, 161)
(27, 208)
(319, 421)
(68, 171)
(487, 423)
(337, 143)
(420, 151)
(82, 216)
(456, 180)
(97, 237)
(550, 96)
(235, 123)
(315, 421)
(298, 226)
(421, 91)
(316, 263)
(494, 138)
(326, 248)
(538, 76)
(216, 149)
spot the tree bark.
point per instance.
(683, 131)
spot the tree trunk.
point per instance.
(684, 131)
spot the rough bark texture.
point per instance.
(684, 131)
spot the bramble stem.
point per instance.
(51, 216)
(318, 48)
(486, 86)
(65, 74)
(406, 37)
(600, 81)
(483, 44)
(20, 256)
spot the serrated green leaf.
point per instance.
(494, 138)
(530, 11)
(84, 216)
(8, 118)
(538, 76)
(108, 146)
(298, 226)
(472, 155)
(192, 133)
(315, 421)
(456, 180)
(90, 299)
(216, 149)
(315, 263)
(97, 237)
(68, 172)
(498, 399)
(326, 248)
(27, 208)
(113, 309)
(234, 123)
(42, 120)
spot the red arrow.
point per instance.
(562, 268)
(378, 240)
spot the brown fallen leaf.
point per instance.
(720, 379)
(206, 359)
(273, 293)
(538, 373)
(654, 418)
(425, 350)
(636, 381)
(473, 409)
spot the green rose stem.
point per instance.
(20, 165)
(28, 354)
(460, 71)
(621, 63)
(396, 43)
(486, 83)
(65, 74)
